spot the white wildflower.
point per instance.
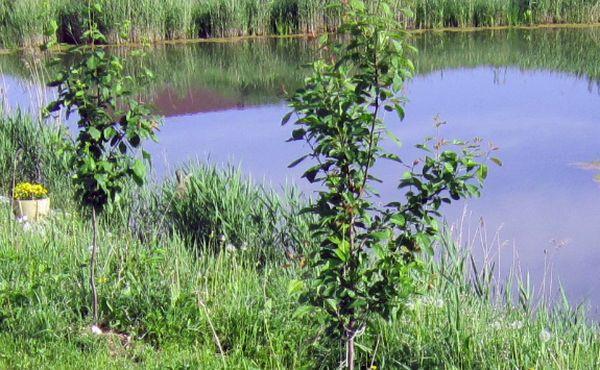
(244, 247)
(230, 248)
(545, 335)
(22, 219)
(96, 330)
(60, 213)
(434, 302)
(517, 325)
(26, 226)
(4, 200)
(497, 325)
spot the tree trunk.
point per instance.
(93, 266)
(350, 349)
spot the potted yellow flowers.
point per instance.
(31, 201)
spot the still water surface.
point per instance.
(533, 93)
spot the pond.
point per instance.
(534, 93)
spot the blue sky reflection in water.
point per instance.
(544, 123)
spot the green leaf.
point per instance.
(53, 107)
(298, 134)
(398, 220)
(497, 161)
(297, 161)
(357, 4)
(332, 304)
(139, 172)
(482, 172)
(311, 174)
(92, 63)
(394, 138)
(109, 133)
(286, 118)
(400, 111)
(295, 287)
(94, 133)
(343, 251)
(302, 311)
(381, 235)
(147, 157)
(323, 39)
(97, 7)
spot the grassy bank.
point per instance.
(201, 281)
(23, 22)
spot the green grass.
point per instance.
(223, 208)
(179, 295)
(149, 291)
(490, 13)
(22, 22)
(31, 151)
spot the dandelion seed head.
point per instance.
(545, 335)
(516, 325)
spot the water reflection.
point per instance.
(169, 102)
(542, 121)
(590, 166)
(257, 72)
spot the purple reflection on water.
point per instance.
(544, 122)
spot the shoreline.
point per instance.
(222, 40)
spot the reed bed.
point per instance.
(31, 150)
(23, 22)
(491, 13)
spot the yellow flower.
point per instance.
(29, 191)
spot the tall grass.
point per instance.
(22, 22)
(153, 20)
(490, 13)
(160, 293)
(167, 303)
(222, 209)
(32, 151)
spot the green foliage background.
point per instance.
(23, 22)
